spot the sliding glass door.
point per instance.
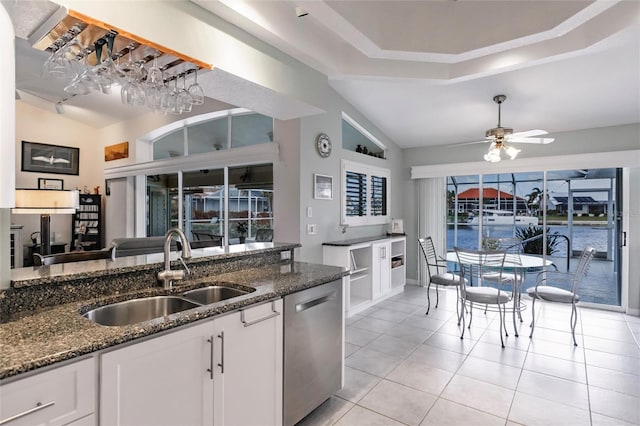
(555, 213)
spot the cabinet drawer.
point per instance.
(54, 397)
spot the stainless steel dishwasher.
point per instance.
(313, 339)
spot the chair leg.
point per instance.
(457, 303)
(515, 329)
(437, 296)
(533, 317)
(428, 298)
(519, 312)
(470, 314)
(462, 315)
(500, 329)
(504, 318)
(574, 321)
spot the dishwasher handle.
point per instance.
(314, 302)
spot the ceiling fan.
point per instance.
(499, 135)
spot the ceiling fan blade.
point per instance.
(470, 143)
(528, 133)
(541, 141)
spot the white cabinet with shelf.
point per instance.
(398, 268)
(377, 269)
(226, 371)
(59, 396)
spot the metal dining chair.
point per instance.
(476, 263)
(437, 272)
(512, 273)
(561, 287)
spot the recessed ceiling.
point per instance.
(425, 72)
(452, 26)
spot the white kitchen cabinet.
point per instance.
(226, 371)
(160, 381)
(248, 366)
(59, 396)
(377, 269)
(380, 268)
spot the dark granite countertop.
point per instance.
(102, 268)
(33, 340)
(354, 241)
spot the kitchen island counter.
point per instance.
(34, 339)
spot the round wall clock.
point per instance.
(323, 145)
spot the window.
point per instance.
(212, 208)
(365, 194)
(212, 132)
(356, 138)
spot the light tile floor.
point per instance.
(404, 367)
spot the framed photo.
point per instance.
(44, 183)
(322, 187)
(116, 152)
(44, 158)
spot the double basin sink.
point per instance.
(147, 308)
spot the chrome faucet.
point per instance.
(167, 276)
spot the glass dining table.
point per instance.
(526, 263)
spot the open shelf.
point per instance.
(358, 276)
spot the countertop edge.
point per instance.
(130, 333)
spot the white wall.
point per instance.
(286, 185)
(7, 129)
(327, 214)
(37, 125)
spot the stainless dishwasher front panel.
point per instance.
(312, 349)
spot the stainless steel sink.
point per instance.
(214, 293)
(138, 310)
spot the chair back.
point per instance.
(476, 263)
(429, 253)
(204, 236)
(583, 267)
(74, 256)
(264, 235)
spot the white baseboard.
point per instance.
(411, 281)
(633, 312)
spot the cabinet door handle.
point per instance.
(210, 369)
(39, 406)
(221, 365)
(273, 313)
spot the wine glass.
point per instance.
(130, 69)
(154, 75)
(184, 98)
(195, 90)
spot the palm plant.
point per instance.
(532, 237)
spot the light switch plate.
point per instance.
(311, 229)
(309, 212)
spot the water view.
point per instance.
(600, 286)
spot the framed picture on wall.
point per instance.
(44, 158)
(322, 187)
(45, 183)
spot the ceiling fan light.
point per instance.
(511, 151)
(493, 156)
